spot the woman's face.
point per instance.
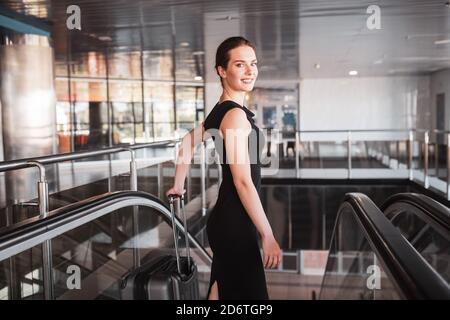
(241, 71)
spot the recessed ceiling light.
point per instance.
(317, 66)
(198, 78)
(444, 41)
(198, 53)
(184, 44)
(353, 73)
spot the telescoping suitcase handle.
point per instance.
(172, 198)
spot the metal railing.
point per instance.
(43, 195)
(58, 222)
(52, 159)
(410, 137)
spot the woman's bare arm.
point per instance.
(184, 158)
(236, 129)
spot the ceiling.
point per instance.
(294, 38)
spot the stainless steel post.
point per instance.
(160, 180)
(203, 177)
(46, 245)
(349, 155)
(425, 155)
(297, 162)
(410, 154)
(133, 170)
(436, 158)
(448, 166)
(134, 187)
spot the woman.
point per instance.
(237, 270)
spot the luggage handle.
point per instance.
(172, 197)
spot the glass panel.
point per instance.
(92, 261)
(408, 224)
(162, 100)
(63, 117)
(188, 100)
(123, 133)
(158, 65)
(62, 90)
(189, 65)
(435, 248)
(91, 64)
(88, 91)
(122, 112)
(164, 130)
(148, 112)
(433, 245)
(140, 134)
(21, 276)
(353, 270)
(125, 91)
(61, 65)
(138, 111)
(125, 65)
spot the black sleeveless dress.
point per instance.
(237, 263)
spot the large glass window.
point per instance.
(189, 103)
(115, 96)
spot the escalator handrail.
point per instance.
(435, 213)
(34, 231)
(412, 275)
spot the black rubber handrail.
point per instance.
(434, 213)
(74, 211)
(411, 274)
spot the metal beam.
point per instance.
(22, 23)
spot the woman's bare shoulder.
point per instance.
(235, 118)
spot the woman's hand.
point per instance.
(271, 252)
(175, 190)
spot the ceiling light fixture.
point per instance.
(184, 44)
(198, 78)
(317, 66)
(444, 41)
(353, 73)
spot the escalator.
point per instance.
(425, 223)
(370, 259)
(401, 253)
(83, 245)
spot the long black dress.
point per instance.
(237, 264)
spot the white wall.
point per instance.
(440, 83)
(362, 103)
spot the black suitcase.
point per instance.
(163, 276)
